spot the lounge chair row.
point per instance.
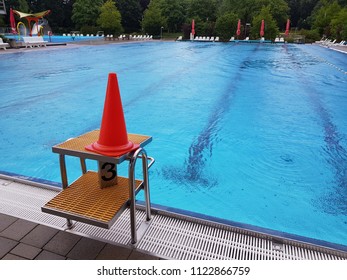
(279, 40)
(81, 35)
(233, 39)
(129, 37)
(206, 39)
(328, 42)
(3, 45)
(36, 41)
(141, 37)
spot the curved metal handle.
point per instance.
(132, 162)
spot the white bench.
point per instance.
(3, 45)
(34, 41)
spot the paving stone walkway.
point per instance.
(24, 240)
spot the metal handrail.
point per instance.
(132, 162)
(152, 160)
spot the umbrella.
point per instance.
(287, 27)
(193, 27)
(238, 31)
(262, 28)
(12, 22)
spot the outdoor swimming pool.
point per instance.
(251, 133)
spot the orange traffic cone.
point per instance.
(113, 138)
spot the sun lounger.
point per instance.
(331, 43)
(34, 42)
(3, 45)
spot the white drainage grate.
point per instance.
(118, 233)
(186, 240)
(24, 201)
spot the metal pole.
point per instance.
(83, 165)
(132, 163)
(132, 197)
(146, 184)
(64, 181)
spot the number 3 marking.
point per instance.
(111, 171)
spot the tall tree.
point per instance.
(144, 4)
(279, 10)
(153, 19)
(300, 10)
(131, 14)
(226, 26)
(20, 5)
(86, 12)
(339, 25)
(110, 18)
(175, 13)
(271, 28)
(206, 10)
(323, 16)
(248, 9)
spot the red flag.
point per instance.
(287, 27)
(12, 22)
(262, 28)
(193, 27)
(238, 31)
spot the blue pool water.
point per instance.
(255, 134)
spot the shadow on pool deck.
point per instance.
(21, 239)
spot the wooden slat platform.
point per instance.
(85, 201)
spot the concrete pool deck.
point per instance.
(76, 44)
(25, 240)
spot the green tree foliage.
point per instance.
(131, 12)
(271, 28)
(226, 26)
(300, 10)
(279, 10)
(323, 16)
(175, 13)
(339, 25)
(86, 12)
(19, 5)
(110, 18)
(153, 18)
(248, 9)
(61, 11)
(206, 10)
(319, 15)
(144, 4)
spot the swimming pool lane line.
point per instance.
(192, 170)
(154, 88)
(204, 141)
(326, 62)
(336, 152)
